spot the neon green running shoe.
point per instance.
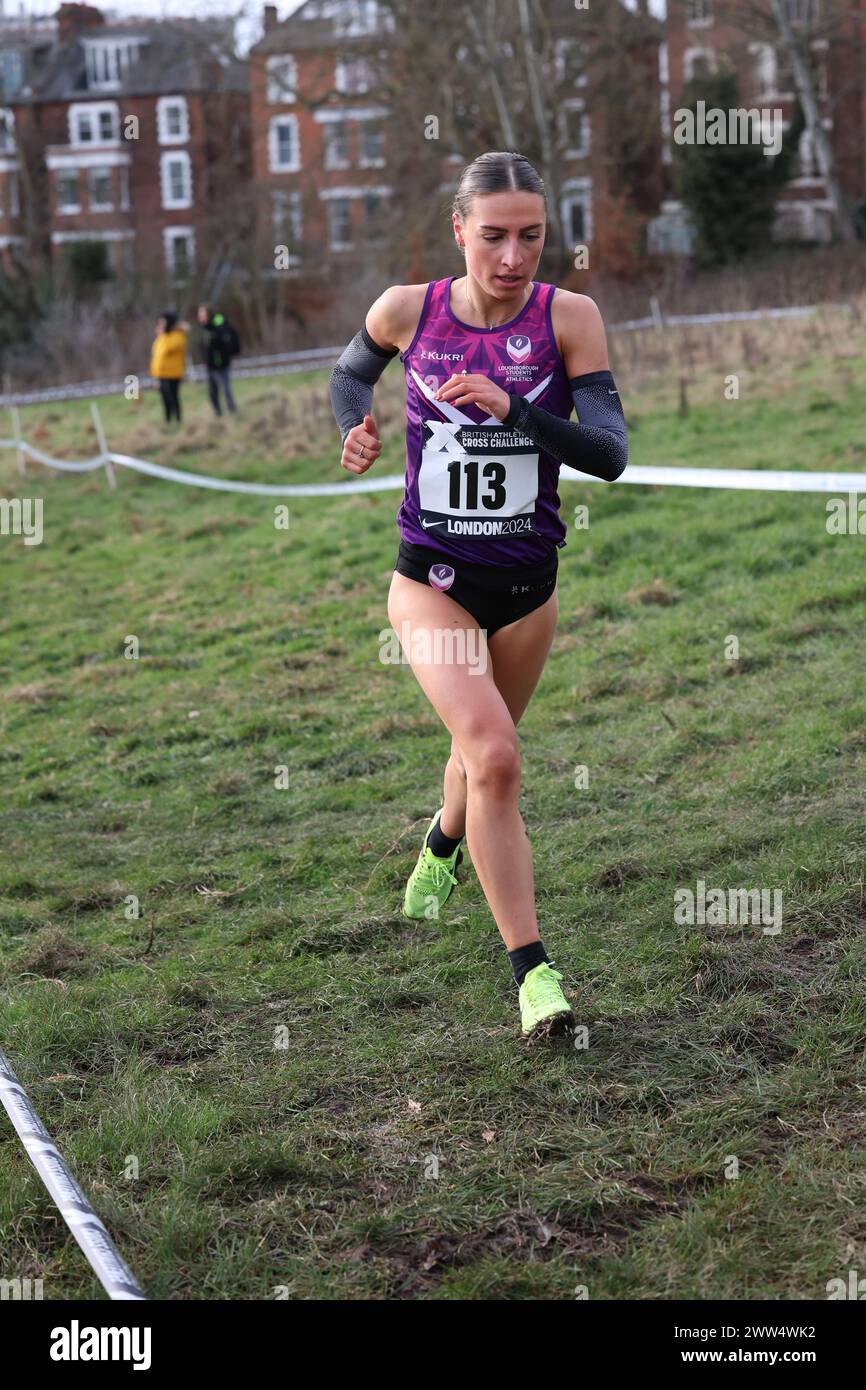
(544, 1009)
(432, 880)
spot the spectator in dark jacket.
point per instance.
(220, 345)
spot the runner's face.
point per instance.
(504, 236)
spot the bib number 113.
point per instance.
(463, 475)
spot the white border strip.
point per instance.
(746, 479)
(111, 1270)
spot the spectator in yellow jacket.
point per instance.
(168, 362)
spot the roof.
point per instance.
(177, 58)
(325, 23)
(316, 24)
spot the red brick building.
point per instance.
(319, 163)
(322, 156)
(24, 49)
(135, 136)
(707, 35)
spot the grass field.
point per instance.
(400, 1141)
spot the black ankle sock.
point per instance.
(525, 958)
(442, 845)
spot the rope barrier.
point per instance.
(111, 1270)
(746, 479)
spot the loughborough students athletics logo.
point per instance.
(518, 347)
(441, 577)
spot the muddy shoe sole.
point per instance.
(558, 1026)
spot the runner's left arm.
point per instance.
(596, 443)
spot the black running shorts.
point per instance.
(495, 595)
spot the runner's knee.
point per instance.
(493, 761)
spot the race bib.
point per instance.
(477, 480)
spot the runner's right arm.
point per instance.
(358, 370)
(352, 380)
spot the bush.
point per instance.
(87, 265)
(730, 191)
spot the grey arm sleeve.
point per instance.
(596, 443)
(352, 380)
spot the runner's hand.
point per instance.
(476, 389)
(364, 437)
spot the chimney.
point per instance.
(270, 18)
(73, 19)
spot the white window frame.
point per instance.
(581, 151)
(331, 161)
(94, 109)
(768, 73)
(14, 68)
(346, 72)
(164, 135)
(123, 175)
(699, 13)
(99, 207)
(67, 209)
(94, 234)
(355, 17)
(803, 11)
(349, 192)
(169, 236)
(375, 161)
(560, 48)
(274, 145)
(283, 88)
(339, 245)
(691, 54)
(372, 222)
(292, 213)
(107, 60)
(7, 130)
(578, 191)
(166, 159)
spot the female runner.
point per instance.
(495, 361)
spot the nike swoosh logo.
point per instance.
(428, 524)
(612, 393)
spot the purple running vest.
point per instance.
(473, 488)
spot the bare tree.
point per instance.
(506, 85)
(770, 21)
(805, 84)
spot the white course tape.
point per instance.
(747, 479)
(113, 1273)
(649, 475)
